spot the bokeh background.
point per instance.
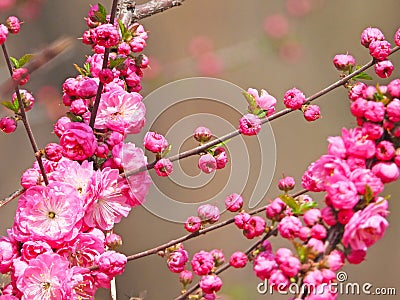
(273, 45)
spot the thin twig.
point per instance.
(25, 120)
(11, 197)
(227, 265)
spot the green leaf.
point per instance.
(115, 63)
(86, 66)
(166, 151)
(101, 14)
(369, 194)
(15, 62)
(16, 104)
(74, 118)
(10, 106)
(24, 59)
(307, 206)
(291, 202)
(251, 101)
(302, 251)
(362, 75)
(125, 33)
(80, 70)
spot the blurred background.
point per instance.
(274, 45)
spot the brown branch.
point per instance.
(128, 12)
(11, 197)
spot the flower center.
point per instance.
(52, 215)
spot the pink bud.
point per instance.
(294, 99)
(207, 163)
(241, 219)
(106, 76)
(27, 99)
(238, 259)
(3, 33)
(21, 76)
(328, 216)
(379, 49)
(219, 257)
(113, 241)
(384, 68)
(193, 224)
(208, 213)
(356, 256)
(8, 124)
(335, 260)
(155, 142)
(312, 113)
(286, 184)
(202, 134)
(371, 34)
(220, 157)
(312, 216)
(233, 202)
(210, 284)
(163, 167)
(185, 277)
(397, 37)
(386, 171)
(249, 124)
(13, 24)
(343, 62)
(53, 152)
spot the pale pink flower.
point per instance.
(202, 263)
(210, 284)
(27, 99)
(265, 101)
(46, 277)
(357, 144)
(208, 213)
(121, 111)
(31, 177)
(8, 251)
(343, 62)
(13, 24)
(109, 204)
(177, 260)
(386, 171)
(207, 163)
(52, 214)
(111, 263)
(335, 260)
(367, 226)
(78, 141)
(316, 245)
(289, 227)
(233, 202)
(155, 142)
(249, 124)
(264, 264)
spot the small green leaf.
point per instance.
(24, 59)
(74, 118)
(369, 194)
(307, 206)
(101, 14)
(10, 106)
(86, 66)
(16, 104)
(15, 62)
(115, 63)
(302, 251)
(125, 33)
(362, 75)
(80, 70)
(251, 101)
(291, 202)
(166, 151)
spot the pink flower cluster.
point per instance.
(57, 247)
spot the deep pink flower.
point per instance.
(393, 110)
(21, 76)
(328, 216)
(375, 111)
(106, 76)
(344, 216)
(342, 193)
(357, 144)
(356, 256)
(343, 62)
(3, 33)
(53, 151)
(241, 219)
(8, 124)
(155, 142)
(289, 227)
(294, 99)
(163, 167)
(278, 280)
(193, 224)
(290, 266)
(207, 163)
(106, 35)
(379, 49)
(249, 124)
(275, 209)
(202, 263)
(358, 107)
(210, 284)
(233, 202)
(312, 216)
(286, 184)
(111, 263)
(202, 134)
(357, 91)
(394, 88)
(208, 213)
(121, 111)
(254, 227)
(51, 213)
(46, 277)
(312, 113)
(177, 260)
(386, 171)
(264, 264)
(362, 177)
(31, 249)
(220, 157)
(78, 141)
(238, 259)
(385, 150)
(265, 101)
(373, 131)
(318, 231)
(371, 34)
(367, 226)
(384, 68)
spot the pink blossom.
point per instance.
(282, 254)
(312, 113)
(342, 193)
(367, 226)
(207, 163)
(275, 209)
(202, 134)
(397, 37)
(318, 231)
(290, 266)
(328, 216)
(379, 49)
(233, 202)
(60, 126)
(238, 259)
(372, 130)
(106, 35)
(79, 107)
(335, 260)
(357, 144)
(241, 219)
(375, 111)
(27, 99)
(276, 26)
(344, 216)
(220, 157)
(106, 76)
(124, 48)
(163, 167)
(265, 101)
(111, 263)
(219, 257)
(304, 233)
(358, 107)
(371, 34)
(53, 152)
(289, 227)
(109, 203)
(286, 184)
(3, 33)
(208, 213)
(254, 227)
(177, 260)
(8, 251)
(46, 277)
(83, 283)
(32, 249)
(384, 68)
(357, 91)
(264, 264)
(312, 216)
(294, 99)
(78, 141)
(249, 124)
(386, 171)
(121, 111)
(8, 124)
(322, 292)
(278, 280)
(356, 256)
(51, 213)
(20, 76)
(393, 110)
(316, 245)
(155, 142)
(336, 146)
(385, 150)
(202, 263)
(96, 63)
(113, 241)
(210, 284)
(193, 224)
(365, 177)
(186, 277)
(343, 62)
